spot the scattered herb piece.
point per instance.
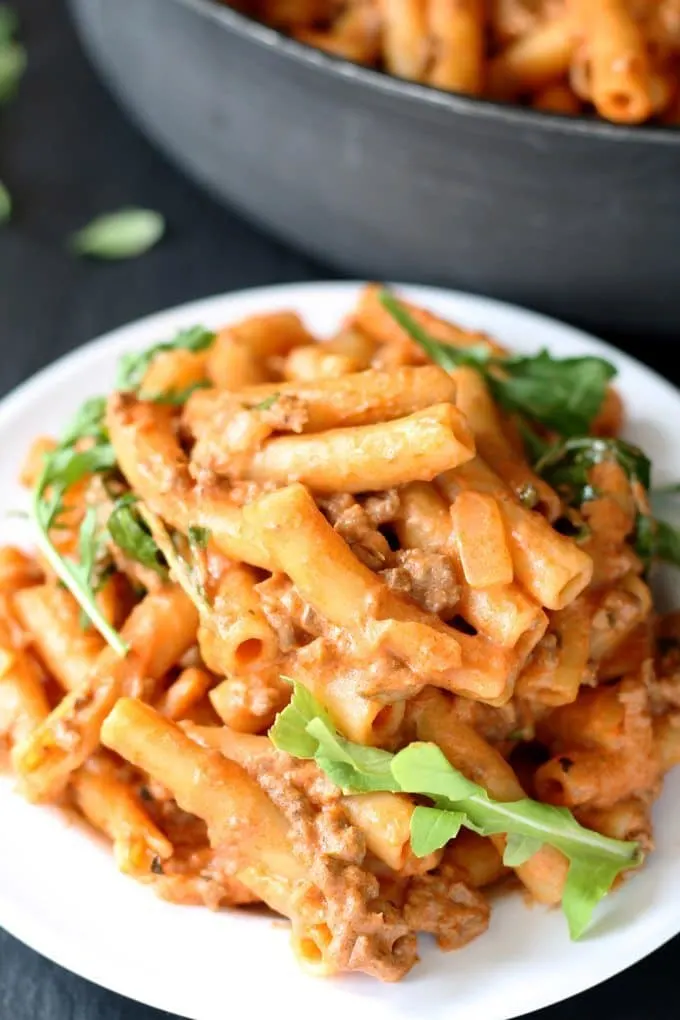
(5, 204)
(157, 866)
(65, 466)
(131, 535)
(305, 730)
(12, 54)
(563, 394)
(125, 234)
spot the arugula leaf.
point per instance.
(305, 730)
(181, 571)
(124, 234)
(432, 828)
(87, 422)
(65, 466)
(595, 860)
(132, 367)
(9, 24)
(289, 731)
(565, 465)
(5, 204)
(12, 67)
(563, 394)
(519, 849)
(130, 534)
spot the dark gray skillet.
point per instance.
(386, 179)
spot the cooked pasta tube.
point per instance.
(110, 805)
(185, 692)
(338, 686)
(305, 364)
(385, 820)
(23, 702)
(173, 372)
(545, 873)
(361, 458)
(159, 630)
(479, 535)
(618, 61)
(503, 613)
(557, 98)
(52, 617)
(549, 566)
(249, 702)
(240, 817)
(458, 36)
(240, 353)
(628, 820)
(477, 857)
(330, 577)
(534, 60)
(154, 464)
(236, 633)
(405, 39)
(561, 663)
(494, 446)
(616, 614)
(357, 345)
(363, 398)
(17, 570)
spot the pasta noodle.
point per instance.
(256, 602)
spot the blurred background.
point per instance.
(67, 154)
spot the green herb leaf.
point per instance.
(566, 465)
(666, 543)
(198, 536)
(563, 394)
(5, 204)
(519, 849)
(181, 570)
(289, 731)
(432, 828)
(9, 24)
(131, 535)
(133, 367)
(87, 422)
(64, 467)
(12, 67)
(305, 730)
(120, 235)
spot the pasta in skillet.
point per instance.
(617, 59)
(359, 630)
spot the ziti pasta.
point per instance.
(616, 59)
(358, 630)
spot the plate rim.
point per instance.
(130, 985)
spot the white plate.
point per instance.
(61, 895)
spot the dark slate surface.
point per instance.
(66, 154)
